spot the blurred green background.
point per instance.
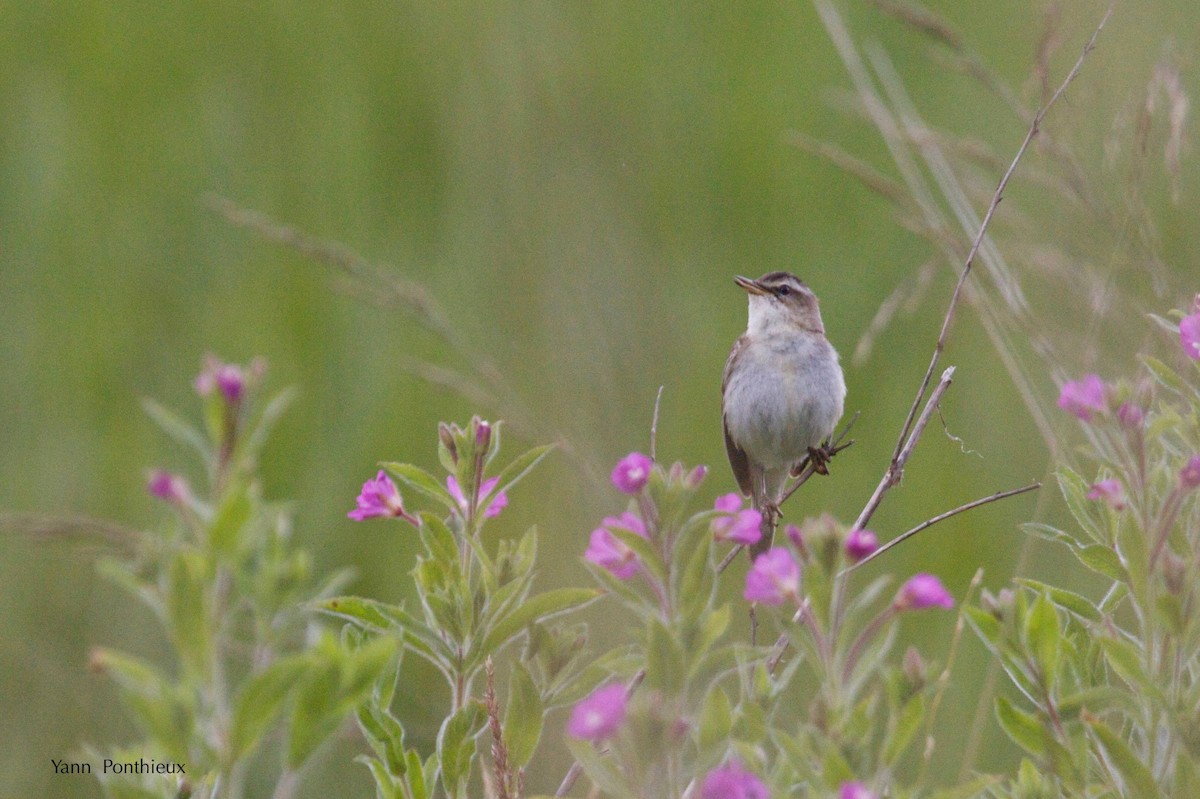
(576, 183)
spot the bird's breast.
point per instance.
(783, 395)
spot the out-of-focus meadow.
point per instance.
(575, 184)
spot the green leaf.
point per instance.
(188, 610)
(1023, 728)
(1137, 781)
(537, 608)
(1166, 375)
(374, 615)
(225, 533)
(1067, 600)
(1074, 490)
(267, 419)
(986, 626)
(716, 719)
(164, 713)
(646, 553)
(422, 482)
(969, 790)
(455, 747)
(1043, 637)
(259, 703)
(1102, 560)
(664, 659)
(178, 429)
(1127, 661)
(438, 540)
(909, 721)
(515, 471)
(336, 681)
(695, 585)
(385, 783)
(523, 717)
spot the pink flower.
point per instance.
(498, 503)
(743, 527)
(1189, 475)
(1189, 335)
(923, 591)
(380, 498)
(632, 472)
(728, 503)
(228, 378)
(611, 553)
(774, 578)
(731, 781)
(599, 715)
(169, 487)
(855, 790)
(1081, 398)
(860, 544)
(735, 524)
(1131, 415)
(1110, 491)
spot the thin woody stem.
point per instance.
(939, 518)
(895, 469)
(997, 196)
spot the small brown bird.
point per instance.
(782, 392)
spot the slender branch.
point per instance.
(941, 517)
(895, 469)
(997, 196)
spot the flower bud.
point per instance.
(446, 438)
(483, 435)
(914, 669)
(696, 476)
(1131, 415)
(1189, 475)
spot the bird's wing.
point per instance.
(738, 461)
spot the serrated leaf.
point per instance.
(1137, 781)
(523, 718)
(422, 482)
(537, 608)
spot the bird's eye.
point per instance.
(782, 291)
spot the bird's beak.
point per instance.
(751, 286)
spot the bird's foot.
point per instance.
(820, 457)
